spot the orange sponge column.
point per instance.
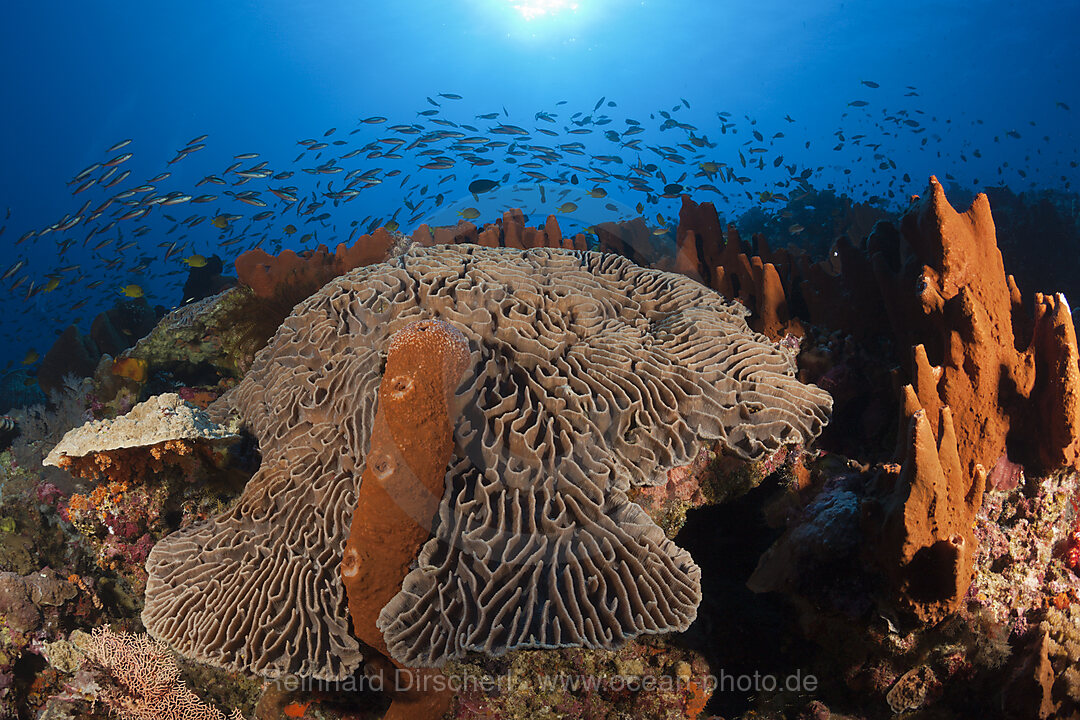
(411, 444)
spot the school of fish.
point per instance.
(124, 232)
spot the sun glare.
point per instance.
(533, 9)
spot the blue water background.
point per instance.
(260, 76)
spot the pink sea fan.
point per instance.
(145, 680)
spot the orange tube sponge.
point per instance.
(411, 443)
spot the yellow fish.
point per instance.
(391, 226)
(469, 213)
(290, 229)
(640, 209)
(51, 285)
(132, 291)
(31, 357)
(597, 192)
(221, 222)
(195, 261)
(566, 208)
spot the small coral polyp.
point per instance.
(131, 463)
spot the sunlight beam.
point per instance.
(533, 9)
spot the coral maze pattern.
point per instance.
(589, 375)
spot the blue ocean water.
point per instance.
(721, 99)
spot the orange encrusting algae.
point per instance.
(411, 443)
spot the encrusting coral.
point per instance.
(197, 340)
(588, 375)
(132, 460)
(162, 419)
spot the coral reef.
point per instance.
(198, 341)
(646, 678)
(713, 477)
(1011, 379)
(939, 282)
(30, 612)
(111, 332)
(1059, 660)
(141, 463)
(610, 469)
(705, 377)
(913, 534)
(917, 520)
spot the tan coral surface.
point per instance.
(588, 375)
(161, 418)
